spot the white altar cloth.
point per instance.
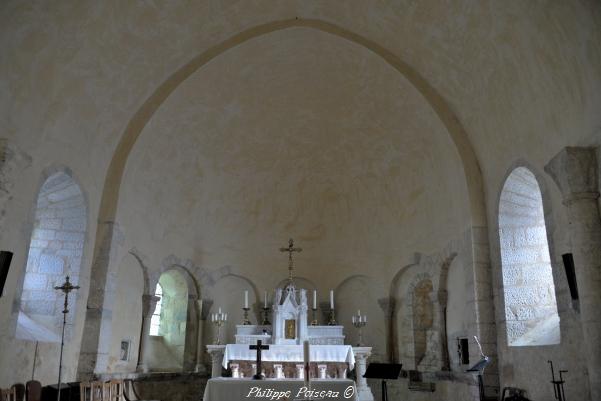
(290, 353)
(228, 389)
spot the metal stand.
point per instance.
(479, 367)
(384, 391)
(245, 321)
(314, 320)
(67, 287)
(266, 321)
(332, 319)
(558, 390)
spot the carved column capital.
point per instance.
(216, 352)
(149, 303)
(387, 304)
(206, 307)
(574, 170)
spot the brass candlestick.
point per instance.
(266, 321)
(314, 321)
(332, 318)
(245, 320)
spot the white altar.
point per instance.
(290, 353)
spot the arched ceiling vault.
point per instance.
(110, 196)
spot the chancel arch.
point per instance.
(469, 169)
(531, 316)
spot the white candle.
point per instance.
(358, 312)
(314, 299)
(246, 299)
(265, 300)
(331, 299)
(220, 311)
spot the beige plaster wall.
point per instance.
(517, 75)
(128, 314)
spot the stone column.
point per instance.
(443, 298)
(361, 355)
(216, 352)
(12, 162)
(387, 304)
(574, 170)
(204, 305)
(149, 303)
(96, 342)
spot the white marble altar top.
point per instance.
(290, 353)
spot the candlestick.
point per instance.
(245, 321)
(266, 321)
(332, 318)
(314, 321)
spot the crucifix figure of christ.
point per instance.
(290, 250)
(259, 347)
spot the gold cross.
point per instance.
(290, 249)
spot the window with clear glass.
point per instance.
(155, 321)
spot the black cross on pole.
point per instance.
(259, 347)
(67, 287)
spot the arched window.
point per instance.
(155, 321)
(55, 251)
(528, 287)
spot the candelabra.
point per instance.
(266, 321)
(218, 320)
(359, 321)
(332, 318)
(314, 320)
(245, 320)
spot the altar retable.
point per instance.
(282, 357)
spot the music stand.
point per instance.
(383, 371)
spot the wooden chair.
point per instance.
(19, 391)
(33, 390)
(85, 391)
(97, 391)
(9, 394)
(116, 390)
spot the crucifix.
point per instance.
(67, 287)
(259, 347)
(290, 250)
